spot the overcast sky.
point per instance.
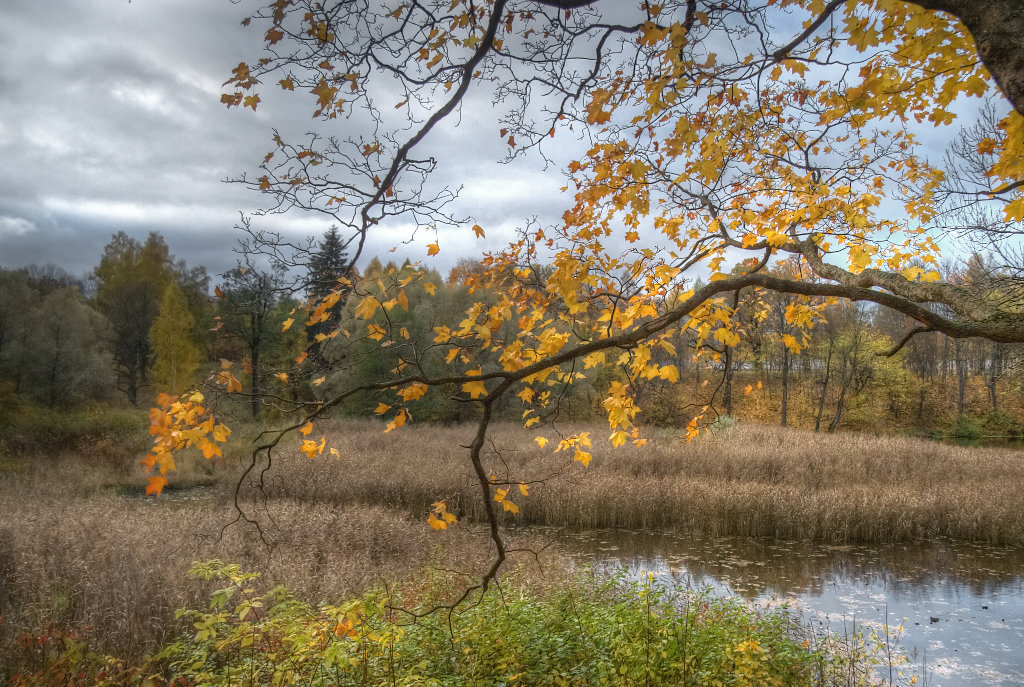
(110, 120)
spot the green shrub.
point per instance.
(587, 632)
(591, 632)
(965, 428)
(31, 428)
(1001, 424)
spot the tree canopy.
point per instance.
(717, 138)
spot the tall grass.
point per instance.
(81, 548)
(748, 480)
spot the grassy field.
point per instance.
(749, 480)
(81, 548)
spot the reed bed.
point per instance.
(746, 480)
(82, 549)
(113, 569)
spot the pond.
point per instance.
(961, 605)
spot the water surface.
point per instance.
(961, 606)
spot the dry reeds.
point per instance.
(80, 548)
(748, 480)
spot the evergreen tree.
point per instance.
(326, 266)
(175, 355)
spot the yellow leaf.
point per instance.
(583, 457)
(221, 433)
(306, 429)
(431, 289)
(397, 422)
(524, 489)
(287, 324)
(433, 249)
(1014, 211)
(230, 381)
(311, 448)
(208, 448)
(413, 391)
(301, 357)
(478, 230)
(282, 376)
(475, 389)
(541, 441)
(318, 381)
(618, 438)
(366, 308)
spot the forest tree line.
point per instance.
(144, 322)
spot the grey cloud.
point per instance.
(110, 120)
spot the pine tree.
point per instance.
(175, 355)
(326, 266)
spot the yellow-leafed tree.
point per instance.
(175, 355)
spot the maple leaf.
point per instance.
(229, 380)
(306, 429)
(433, 249)
(156, 485)
(367, 307)
(221, 433)
(208, 448)
(311, 448)
(475, 389)
(287, 324)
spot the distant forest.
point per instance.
(144, 322)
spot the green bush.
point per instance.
(590, 632)
(30, 428)
(1001, 424)
(965, 428)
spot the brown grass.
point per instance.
(81, 548)
(748, 480)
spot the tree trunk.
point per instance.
(961, 376)
(824, 386)
(254, 361)
(834, 425)
(997, 27)
(785, 384)
(727, 390)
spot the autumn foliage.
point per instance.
(765, 148)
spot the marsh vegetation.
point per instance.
(84, 551)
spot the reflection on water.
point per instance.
(961, 605)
